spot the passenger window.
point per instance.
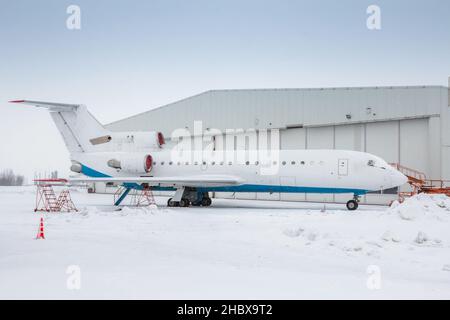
(247, 163)
(283, 163)
(195, 163)
(213, 163)
(162, 163)
(303, 162)
(187, 163)
(170, 163)
(293, 162)
(230, 163)
(256, 163)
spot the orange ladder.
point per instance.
(139, 198)
(46, 199)
(65, 202)
(420, 184)
(143, 198)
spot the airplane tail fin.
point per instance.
(80, 130)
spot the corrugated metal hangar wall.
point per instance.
(406, 125)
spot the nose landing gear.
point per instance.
(352, 205)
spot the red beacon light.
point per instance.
(148, 163)
(161, 139)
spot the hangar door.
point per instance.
(414, 144)
(291, 139)
(382, 140)
(320, 138)
(404, 142)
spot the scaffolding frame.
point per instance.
(420, 184)
(46, 200)
(139, 198)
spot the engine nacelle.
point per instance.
(132, 163)
(76, 167)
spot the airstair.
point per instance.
(65, 202)
(139, 198)
(420, 184)
(143, 198)
(46, 199)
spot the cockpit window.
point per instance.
(378, 164)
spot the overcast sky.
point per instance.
(131, 56)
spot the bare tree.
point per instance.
(8, 178)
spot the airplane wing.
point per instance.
(177, 182)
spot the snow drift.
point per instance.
(422, 206)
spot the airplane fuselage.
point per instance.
(291, 171)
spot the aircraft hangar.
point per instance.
(409, 125)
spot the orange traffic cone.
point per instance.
(40, 234)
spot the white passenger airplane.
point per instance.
(139, 160)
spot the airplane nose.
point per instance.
(398, 179)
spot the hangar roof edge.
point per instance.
(281, 89)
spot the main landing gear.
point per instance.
(352, 205)
(191, 197)
(181, 203)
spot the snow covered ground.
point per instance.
(236, 249)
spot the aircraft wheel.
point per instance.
(352, 205)
(171, 203)
(206, 202)
(184, 203)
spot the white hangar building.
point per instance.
(405, 125)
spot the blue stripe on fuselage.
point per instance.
(242, 188)
(271, 189)
(92, 173)
(281, 189)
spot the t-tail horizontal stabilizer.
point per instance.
(76, 125)
(52, 106)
